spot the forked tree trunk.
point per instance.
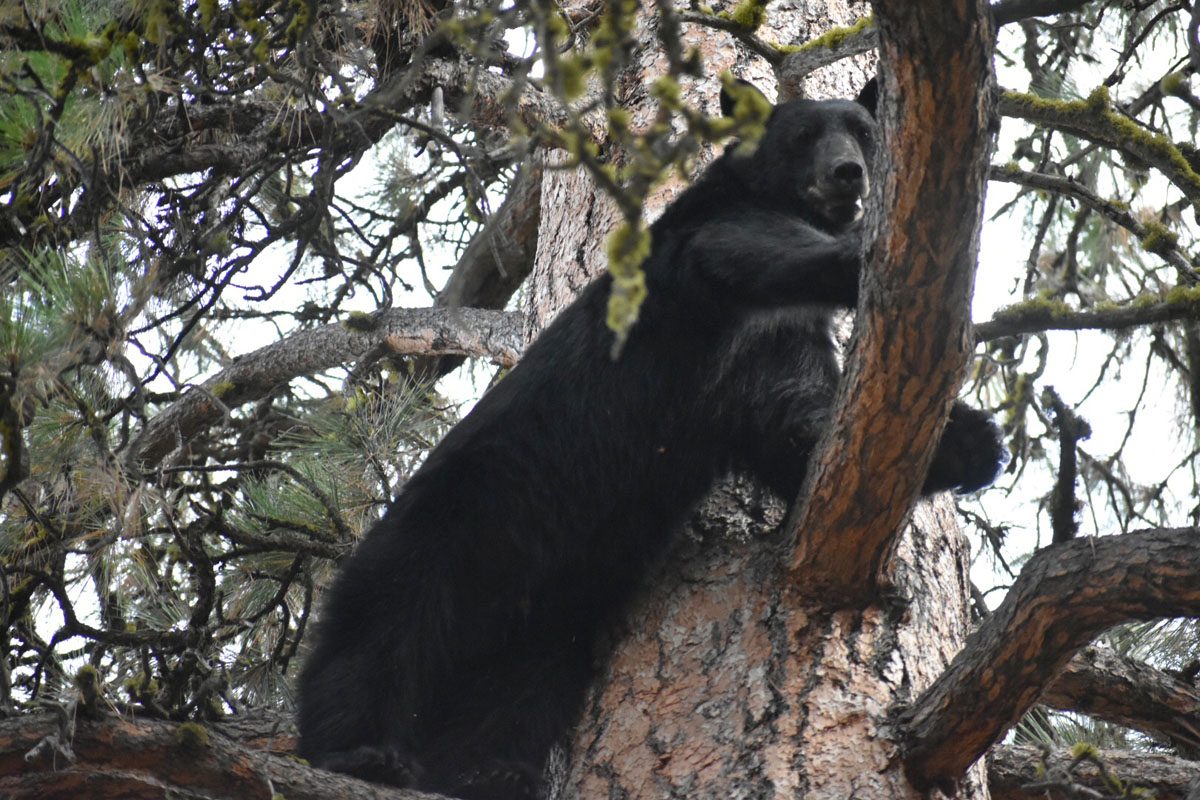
(723, 685)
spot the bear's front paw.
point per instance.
(970, 454)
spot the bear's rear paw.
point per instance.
(375, 764)
(501, 779)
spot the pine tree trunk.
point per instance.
(726, 687)
(723, 684)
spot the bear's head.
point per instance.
(815, 156)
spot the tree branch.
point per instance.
(767, 51)
(1121, 216)
(1005, 12)
(498, 259)
(1065, 595)
(1014, 770)
(1103, 684)
(1096, 120)
(827, 49)
(145, 758)
(401, 331)
(500, 256)
(911, 333)
(1035, 316)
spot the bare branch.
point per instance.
(1106, 685)
(1014, 771)
(1118, 214)
(120, 757)
(1005, 12)
(1065, 595)
(430, 332)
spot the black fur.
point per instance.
(457, 642)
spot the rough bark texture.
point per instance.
(725, 689)
(1015, 773)
(122, 757)
(1064, 597)
(913, 336)
(1106, 685)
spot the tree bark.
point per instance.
(1118, 689)
(118, 756)
(726, 688)
(1066, 595)
(1027, 773)
(913, 334)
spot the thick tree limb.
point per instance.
(1014, 767)
(1063, 598)
(500, 256)
(821, 52)
(498, 259)
(400, 331)
(911, 339)
(1103, 684)
(145, 758)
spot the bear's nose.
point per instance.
(848, 172)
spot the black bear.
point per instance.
(458, 641)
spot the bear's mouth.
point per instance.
(837, 204)
(842, 208)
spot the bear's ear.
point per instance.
(869, 96)
(729, 100)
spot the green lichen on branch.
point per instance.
(1175, 84)
(750, 14)
(834, 38)
(192, 736)
(360, 321)
(1185, 296)
(1158, 239)
(1035, 309)
(222, 389)
(1095, 119)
